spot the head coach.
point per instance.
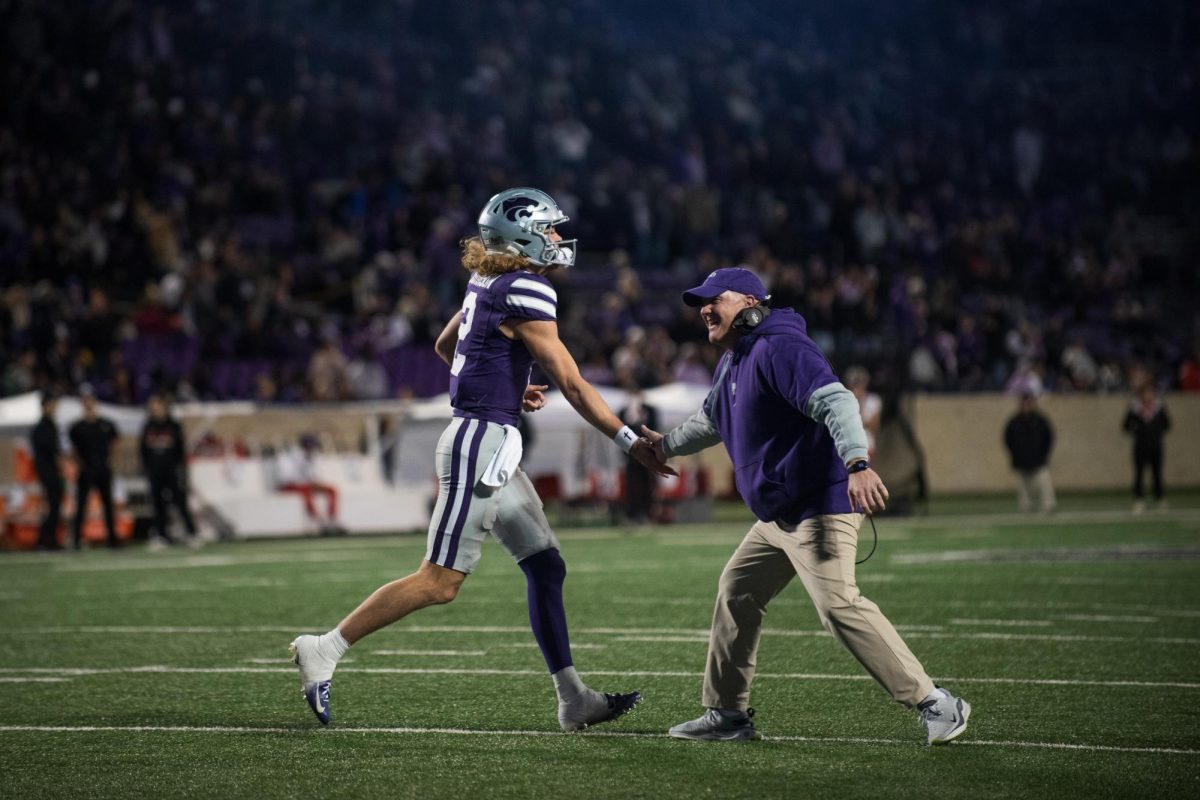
(799, 453)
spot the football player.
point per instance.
(799, 452)
(508, 320)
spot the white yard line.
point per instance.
(1051, 555)
(234, 559)
(160, 629)
(1042, 605)
(1105, 618)
(311, 731)
(1058, 519)
(914, 632)
(18, 679)
(429, 652)
(1009, 623)
(163, 669)
(533, 646)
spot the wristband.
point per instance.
(858, 466)
(625, 438)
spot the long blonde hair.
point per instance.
(481, 262)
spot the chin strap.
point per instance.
(560, 255)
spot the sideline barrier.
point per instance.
(961, 436)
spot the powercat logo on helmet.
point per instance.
(517, 207)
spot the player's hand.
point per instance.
(534, 398)
(643, 452)
(655, 439)
(867, 492)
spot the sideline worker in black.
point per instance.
(47, 452)
(1148, 422)
(164, 461)
(92, 439)
(1029, 437)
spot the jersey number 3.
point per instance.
(464, 328)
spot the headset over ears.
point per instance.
(750, 318)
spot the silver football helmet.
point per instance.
(515, 222)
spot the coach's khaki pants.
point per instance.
(821, 551)
(1035, 490)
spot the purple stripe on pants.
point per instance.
(472, 457)
(451, 492)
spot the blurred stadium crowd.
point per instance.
(265, 198)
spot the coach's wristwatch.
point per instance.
(859, 466)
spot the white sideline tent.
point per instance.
(240, 489)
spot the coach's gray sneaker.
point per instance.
(944, 716)
(713, 726)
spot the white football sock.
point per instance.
(332, 645)
(568, 684)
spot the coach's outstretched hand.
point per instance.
(655, 440)
(867, 492)
(648, 455)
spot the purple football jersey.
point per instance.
(490, 371)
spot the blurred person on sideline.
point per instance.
(795, 436)
(639, 481)
(508, 320)
(296, 473)
(163, 452)
(92, 439)
(1148, 422)
(1029, 437)
(46, 443)
(870, 405)
(327, 379)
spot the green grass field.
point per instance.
(1076, 638)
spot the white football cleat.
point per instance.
(594, 708)
(316, 674)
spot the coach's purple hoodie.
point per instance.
(785, 465)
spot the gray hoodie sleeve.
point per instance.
(696, 433)
(836, 407)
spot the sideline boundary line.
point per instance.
(1097, 748)
(908, 632)
(163, 669)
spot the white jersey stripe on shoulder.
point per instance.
(533, 303)
(541, 288)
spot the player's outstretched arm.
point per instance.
(541, 337)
